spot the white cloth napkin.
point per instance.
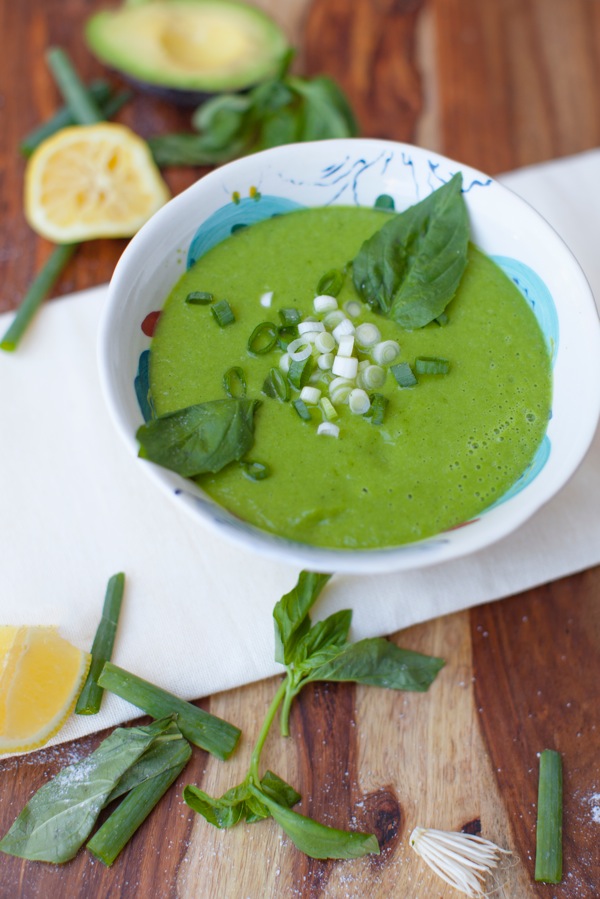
(196, 619)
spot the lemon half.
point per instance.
(90, 181)
(41, 676)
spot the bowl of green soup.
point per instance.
(352, 355)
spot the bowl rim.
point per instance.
(397, 558)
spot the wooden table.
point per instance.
(496, 85)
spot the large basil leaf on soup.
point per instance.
(410, 269)
(201, 438)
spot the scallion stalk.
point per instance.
(199, 298)
(255, 471)
(302, 409)
(331, 283)
(84, 109)
(98, 90)
(548, 851)
(38, 289)
(201, 728)
(379, 404)
(276, 385)
(120, 826)
(299, 372)
(90, 697)
(289, 317)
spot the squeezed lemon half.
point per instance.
(41, 676)
(90, 181)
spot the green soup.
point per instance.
(448, 447)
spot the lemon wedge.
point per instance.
(41, 675)
(90, 181)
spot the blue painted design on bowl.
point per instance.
(231, 217)
(538, 297)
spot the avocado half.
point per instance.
(187, 49)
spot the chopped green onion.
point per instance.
(367, 335)
(325, 303)
(285, 335)
(340, 389)
(199, 727)
(299, 372)
(548, 852)
(276, 385)
(442, 319)
(199, 298)
(234, 383)
(255, 471)
(90, 697)
(358, 401)
(263, 339)
(386, 352)
(331, 283)
(403, 374)
(120, 826)
(289, 317)
(431, 365)
(302, 409)
(39, 288)
(98, 90)
(379, 404)
(328, 409)
(223, 313)
(84, 108)
(384, 201)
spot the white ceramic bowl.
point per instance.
(357, 171)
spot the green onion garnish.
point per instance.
(120, 826)
(302, 409)
(234, 383)
(84, 108)
(223, 313)
(289, 317)
(548, 851)
(442, 319)
(285, 335)
(299, 372)
(331, 283)
(403, 374)
(276, 385)
(90, 697)
(199, 298)
(255, 471)
(263, 339)
(431, 365)
(379, 404)
(38, 289)
(199, 727)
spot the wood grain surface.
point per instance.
(497, 85)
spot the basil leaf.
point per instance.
(164, 752)
(325, 112)
(222, 119)
(278, 790)
(379, 663)
(58, 819)
(323, 638)
(411, 268)
(318, 840)
(223, 812)
(202, 438)
(292, 621)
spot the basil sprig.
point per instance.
(312, 652)
(201, 438)
(410, 269)
(282, 110)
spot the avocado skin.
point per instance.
(112, 36)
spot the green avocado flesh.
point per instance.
(198, 45)
(448, 447)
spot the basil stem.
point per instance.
(548, 852)
(84, 108)
(117, 830)
(38, 290)
(201, 728)
(90, 697)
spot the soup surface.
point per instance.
(447, 448)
